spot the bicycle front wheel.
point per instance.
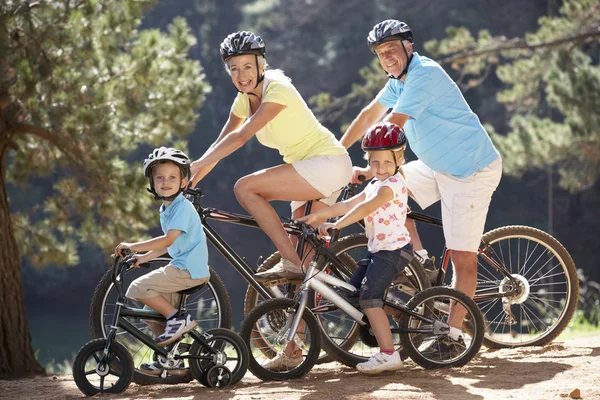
(210, 307)
(535, 307)
(274, 358)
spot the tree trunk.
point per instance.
(16, 354)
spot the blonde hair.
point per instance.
(273, 74)
(398, 157)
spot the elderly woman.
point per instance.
(316, 165)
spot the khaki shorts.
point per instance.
(465, 201)
(327, 174)
(165, 281)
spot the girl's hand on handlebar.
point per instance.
(323, 228)
(358, 171)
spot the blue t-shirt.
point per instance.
(442, 130)
(189, 250)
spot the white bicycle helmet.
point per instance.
(175, 156)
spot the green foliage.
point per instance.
(552, 91)
(93, 88)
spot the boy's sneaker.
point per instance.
(380, 362)
(176, 327)
(284, 269)
(154, 368)
(283, 362)
(445, 348)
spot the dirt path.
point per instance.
(550, 372)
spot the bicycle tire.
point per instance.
(123, 368)
(238, 367)
(358, 344)
(536, 304)
(99, 318)
(417, 344)
(272, 317)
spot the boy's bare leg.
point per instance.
(162, 305)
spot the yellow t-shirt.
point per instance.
(294, 132)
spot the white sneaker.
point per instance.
(283, 362)
(380, 362)
(284, 269)
(175, 328)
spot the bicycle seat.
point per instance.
(191, 290)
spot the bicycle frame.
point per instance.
(319, 281)
(122, 312)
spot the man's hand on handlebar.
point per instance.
(312, 219)
(360, 174)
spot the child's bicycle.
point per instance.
(422, 323)
(217, 357)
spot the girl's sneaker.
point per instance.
(283, 362)
(154, 368)
(380, 362)
(176, 327)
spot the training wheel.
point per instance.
(218, 376)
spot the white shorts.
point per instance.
(327, 174)
(465, 201)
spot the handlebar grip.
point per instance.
(126, 252)
(361, 178)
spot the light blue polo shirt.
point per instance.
(189, 250)
(442, 130)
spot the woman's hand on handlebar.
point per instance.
(312, 219)
(198, 171)
(358, 172)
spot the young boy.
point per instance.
(383, 207)
(168, 170)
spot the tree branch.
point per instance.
(522, 44)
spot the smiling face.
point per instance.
(167, 179)
(392, 57)
(243, 72)
(382, 163)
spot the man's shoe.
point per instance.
(283, 362)
(283, 270)
(430, 271)
(444, 347)
(380, 362)
(175, 328)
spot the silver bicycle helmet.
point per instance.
(243, 42)
(391, 29)
(175, 156)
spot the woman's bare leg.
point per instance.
(254, 192)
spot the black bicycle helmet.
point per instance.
(391, 29)
(243, 42)
(175, 156)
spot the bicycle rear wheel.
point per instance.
(545, 290)
(429, 347)
(210, 307)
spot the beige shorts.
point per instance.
(165, 281)
(327, 174)
(465, 201)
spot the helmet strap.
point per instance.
(408, 61)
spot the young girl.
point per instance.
(383, 207)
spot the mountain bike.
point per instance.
(284, 321)
(216, 357)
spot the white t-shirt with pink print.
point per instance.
(385, 227)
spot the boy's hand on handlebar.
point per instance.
(123, 246)
(358, 171)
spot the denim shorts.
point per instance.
(381, 270)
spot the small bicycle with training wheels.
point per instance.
(216, 357)
(281, 323)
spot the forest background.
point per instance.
(539, 99)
